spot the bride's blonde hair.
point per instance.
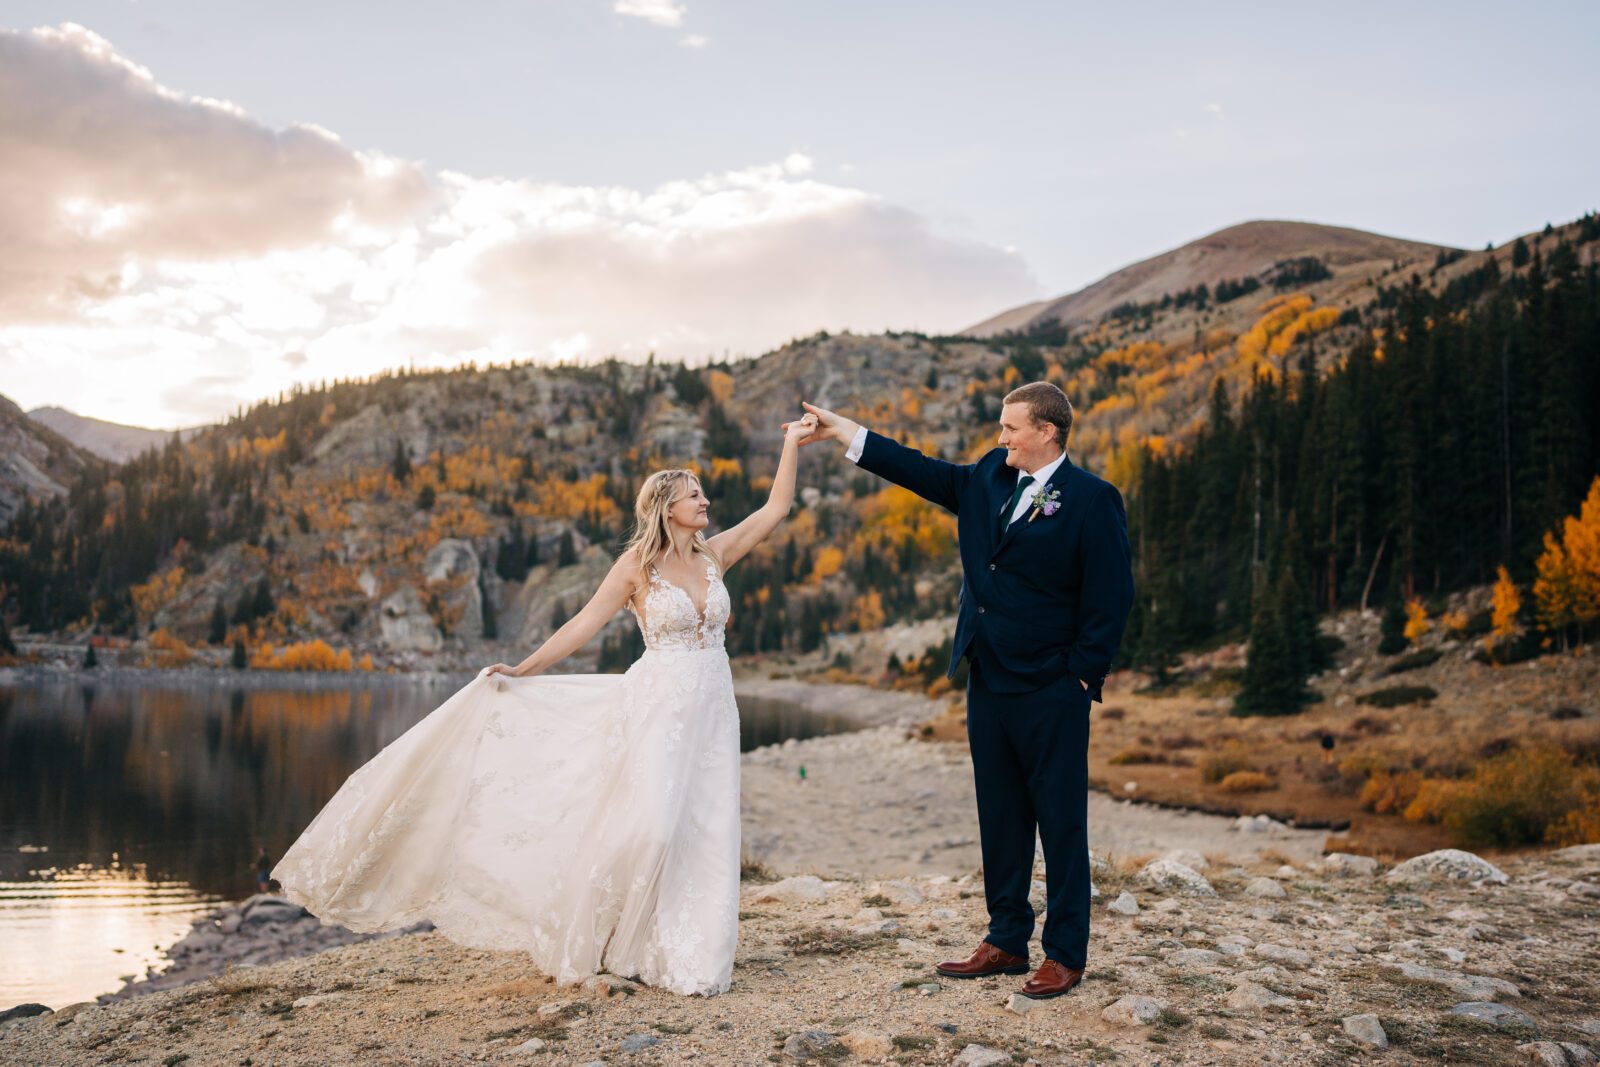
(651, 539)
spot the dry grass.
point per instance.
(1246, 782)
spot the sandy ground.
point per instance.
(1307, 966)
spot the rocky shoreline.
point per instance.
(1442, 959)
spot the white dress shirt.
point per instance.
(1041, 477)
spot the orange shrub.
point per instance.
(1246, 782)
(1390, 794)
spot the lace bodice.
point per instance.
(670, 621)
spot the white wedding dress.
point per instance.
(590, 820)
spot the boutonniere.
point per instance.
(1046, 502)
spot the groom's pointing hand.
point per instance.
(831, 427)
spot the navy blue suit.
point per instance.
(1043, 607)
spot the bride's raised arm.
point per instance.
(733, 545)
(612, 596)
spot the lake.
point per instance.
(129, 809)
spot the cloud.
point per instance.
(660, 12)
(695, 40)
(176, 259)
(102, 162)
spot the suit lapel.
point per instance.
(1057, 479)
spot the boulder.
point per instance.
(1176, 877)
(1195, 959)
(639, 1042)
(1366, 1029)
(1190, 858)
(981, 1056)
(1477, 987)
(1249, 998)
(801, 889)
(1265, 888)
(813, 1045)
(1293, 957)
(1448, 864)
(1347, 864)
(1555, 1054)
(1125, 904)
(405, 625)
(1498, 1015)
(24, 1011)
(1133, 1011)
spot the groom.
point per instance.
(1046, 591)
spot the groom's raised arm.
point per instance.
(934, 480)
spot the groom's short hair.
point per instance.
(1046, 403)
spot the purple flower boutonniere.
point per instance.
(1047, 502)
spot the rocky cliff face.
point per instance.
(34, 460)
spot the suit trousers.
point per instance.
(1030, 763)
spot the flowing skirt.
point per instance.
(589, 820)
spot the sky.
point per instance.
(202, 204)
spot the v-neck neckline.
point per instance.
(704, 606)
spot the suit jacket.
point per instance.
(1046, 598)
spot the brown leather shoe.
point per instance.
(986, 961)
(1051, 980)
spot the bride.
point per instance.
(591, 820)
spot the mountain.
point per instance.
(34, 460)
(1247, 250)
(108, 440)
(437, 517)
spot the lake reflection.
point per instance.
(126, 810)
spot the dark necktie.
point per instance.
(1016, 495)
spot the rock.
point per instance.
(981, 1056)
(1257, 824)
(24, 1011)
(1587, 1026)
(866, 1045)
(811, 1045)
(1125, 904)
(902, 893)
(1294, 957)
(1448, 864)
(801, 889)
(1492, 1014)
(1021, 1005)
(610, 985)
(1577, 854)
(1477, 987)
(640, 1042)
(71, 1011)
(1555, 1054)
(944, 913)
(1195, 959)
(1366, 1029)
(872, 929)
(1348, 864)
(533, 1044)
(1175, 877)
(406, 624)
(1249, 997)
(263, 909)
(1266, 888)
(1133, 1010)
(1190, 858)
(313, 999)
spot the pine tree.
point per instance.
(491, 626)
(400, 467)
(240, 659)
(1275, 669)
(567, 551)
(426, 498)
(90, 660)
(262, 604)
(219, 624)
(1392, 629)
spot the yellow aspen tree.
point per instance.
(1416, 619)
(1503, 617)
